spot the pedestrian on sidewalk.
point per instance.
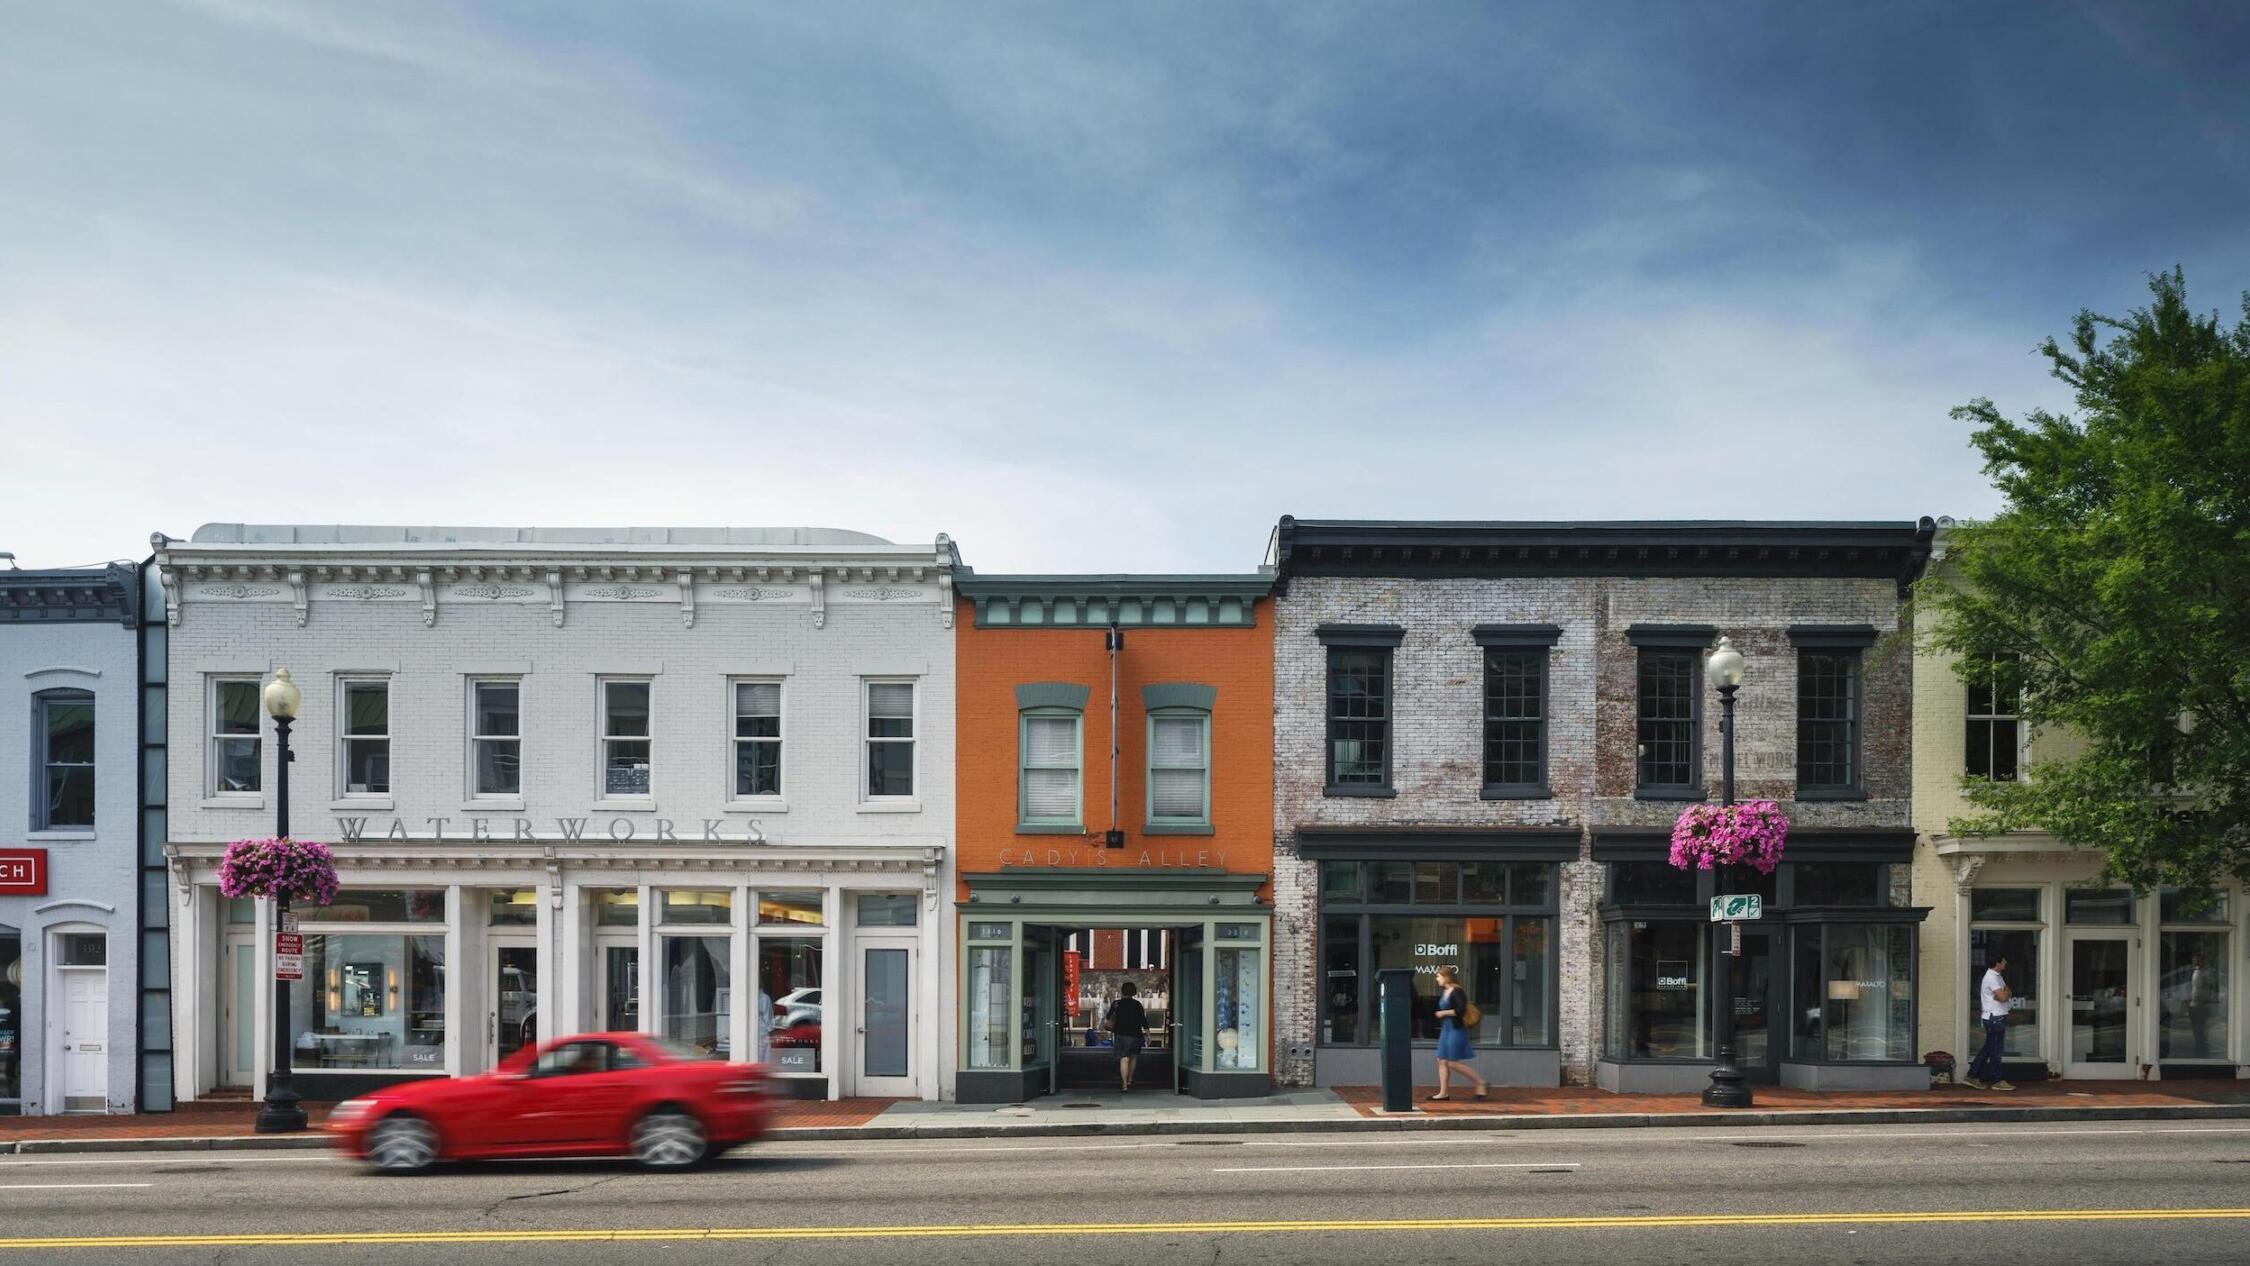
(1128, 1030)
(1455, 1013)
(1992, 1007)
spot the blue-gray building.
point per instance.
(71, 699)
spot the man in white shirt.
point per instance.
(1993, 1001)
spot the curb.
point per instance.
(1307, 1125)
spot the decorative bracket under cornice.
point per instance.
(1965, 868)
(296, 580)
(945, 598)
(819, 597)
(423, 581)
(555, 595)
(171, 582)
(687, 598)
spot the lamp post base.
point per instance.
(281, 1113)
(1727, 1088)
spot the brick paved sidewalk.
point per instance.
(235, 1120)
(1585, 1100)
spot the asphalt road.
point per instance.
(2159, 1192)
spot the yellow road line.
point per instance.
(983, 1230)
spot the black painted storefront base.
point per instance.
(1203, 1085)
(1002, 1086)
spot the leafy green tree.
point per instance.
(2111, 595)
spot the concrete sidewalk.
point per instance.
(1346, 1110)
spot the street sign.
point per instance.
(288, 921)
(288, 956)
(23, 872)
(1738, 906)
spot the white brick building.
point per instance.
(555, 764)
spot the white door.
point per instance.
(85, 1038)
(2101, 1033)
(886, 1019)
(238, 1007)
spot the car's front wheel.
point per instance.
(669, 1138)
(401, 1144)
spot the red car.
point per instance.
(664, 1103)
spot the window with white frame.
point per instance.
(625, 737)
(496, 738)
(1179, 768)
(64, 726)
(1995, 738)
(235, 759)
(890, 740)
(364, 738)
(757, 739)
(1049, 777)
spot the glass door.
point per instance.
(1041, 1016)
(1753, 973)
(620, 986)
(512, 1018)
(886, 1018)
(1189, 1024)
(238, 1037)
(2102, 1004)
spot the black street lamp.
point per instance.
(281, 1112)
(1727, 1090)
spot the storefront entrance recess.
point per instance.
(1095, 966)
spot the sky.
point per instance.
(1089, 287)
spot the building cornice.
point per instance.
(1432, 549)
(71, 595)
(1131, 601)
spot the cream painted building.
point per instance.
(2106, 984)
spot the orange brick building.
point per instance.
(1065, 838)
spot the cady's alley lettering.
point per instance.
(1150, 858)
(520, 831)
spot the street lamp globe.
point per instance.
(282, 696)
(1724, 668)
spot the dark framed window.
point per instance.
(65, 728)
(1828, 727)
(1359, 719)
(1493, 920)
(1667, 709)
(1995, 738)
(1515, 708)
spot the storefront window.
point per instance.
(382, 905)
(1840, 883)
(2020, 946)
(1854, 989)
(11, 1019)
(2004, 905)
(370, 1001)
(1241, 1045)
(2180, 907)
(1492, 920)
(698, 997)
(2194, 994)
(990, 994)
(789, 907)
(790, 980)
(1656, 989)
(888, 910)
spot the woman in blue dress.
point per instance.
(1453, 1049)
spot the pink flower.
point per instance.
(1751, 834)
(269, 867)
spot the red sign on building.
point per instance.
(23, 872)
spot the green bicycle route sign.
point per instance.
(1738, 907)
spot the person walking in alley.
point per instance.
(1128, 1029)
(1992, 1008)
(1455, 1013)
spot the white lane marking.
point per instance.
(1342, 1169)
(1961, 1134)
(936, 1147)
(177, 1158)
(69, 1186)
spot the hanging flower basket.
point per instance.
(301, 869)
(1748, 834)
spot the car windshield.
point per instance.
(681, 1050)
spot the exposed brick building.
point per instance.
(1158, 857)
(1483, 733)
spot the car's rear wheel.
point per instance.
(669, 1138)
(402, 1144)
